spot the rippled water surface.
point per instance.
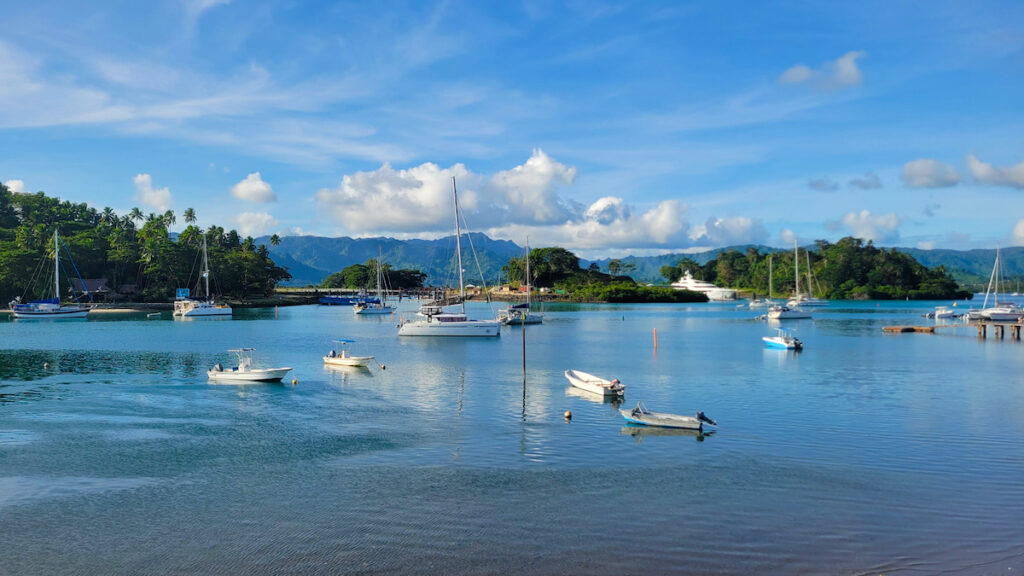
(867, 453)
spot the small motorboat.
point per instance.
(641, 415)
(783, 341)
(343, 358)
(594, 384)
(244, 372)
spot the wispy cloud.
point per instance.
(870, 181)
(831, 76)
(823, 185)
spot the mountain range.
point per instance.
(310, 259)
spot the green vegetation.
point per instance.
(848, 269)
(358, 276)
(126, 250)
(560, 269)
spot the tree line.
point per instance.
(130, 249)
(848, 269)
(360, 276)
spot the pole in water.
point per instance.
(655, 337)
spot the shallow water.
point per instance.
(866, 453)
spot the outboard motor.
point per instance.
(218, 367)
(703, 418)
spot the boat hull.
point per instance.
(662, 420)
(594, 384)
(779, 343)
(267, 375)
(50, 314)
(465, 329)
(357, 361)
(192, 309)
(372, 310)
(789, 314)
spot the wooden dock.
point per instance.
(999, 329)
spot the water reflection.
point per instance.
(641, 432)
(613, 401)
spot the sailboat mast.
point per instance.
(56, 268)
(796, 263)
(206, 269)
(458, 246)
(770, 278)
(529, 283)
(810, 285)
(380, 276)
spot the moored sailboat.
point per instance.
(50, 308)
(435, 321)
(188, 306)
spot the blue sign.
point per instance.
(182, 293)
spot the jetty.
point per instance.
(999, 329)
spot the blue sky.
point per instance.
(607, 128)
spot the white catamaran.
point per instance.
(517, 314)
(51, 307)
(187, 306)
(434, 320)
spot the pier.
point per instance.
(999, 329)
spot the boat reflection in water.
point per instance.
(640, 432)
(613, 401)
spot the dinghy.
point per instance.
(594, 384)
(641, 415)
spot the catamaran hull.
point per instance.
(206, 312)
(471, 328)
(366, 311)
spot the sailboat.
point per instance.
(434, 320)
(1000, 311)
(380, 306)
(789, 312)
(807, 300)
(519, 314)
(187, 306)
(51, 307)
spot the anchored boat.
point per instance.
(641, 415)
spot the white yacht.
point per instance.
(791, 311)
(381, 305)
(999, 311)
(688, 282)
(244, 372)
(189, 307)
(435, 321)
(520, 313)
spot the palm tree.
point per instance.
(168, 218)
(136, 214)
(275, 240)
(190, 216)
(109, 218)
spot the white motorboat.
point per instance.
(381, 305)
(714, 293)
(244, 372)
(595, 384)
(343, 358)
(187, 306)
(783, 341)
(641, 415)
(787, 313)
(435, 321)
(50, 308)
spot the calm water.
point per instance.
(867, 453)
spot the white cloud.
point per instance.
(254, 223)
(928, 173)
(1017, 236)
(254, 189)
(158, 198)
(730, 232)
(865, 225)
(607, 210)
(831, 76)
(926, 245)
(870, 181)
(16, 186)
(787, 236)
(609, 223)
(388, 200)
(528, 191)
(988, 174)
